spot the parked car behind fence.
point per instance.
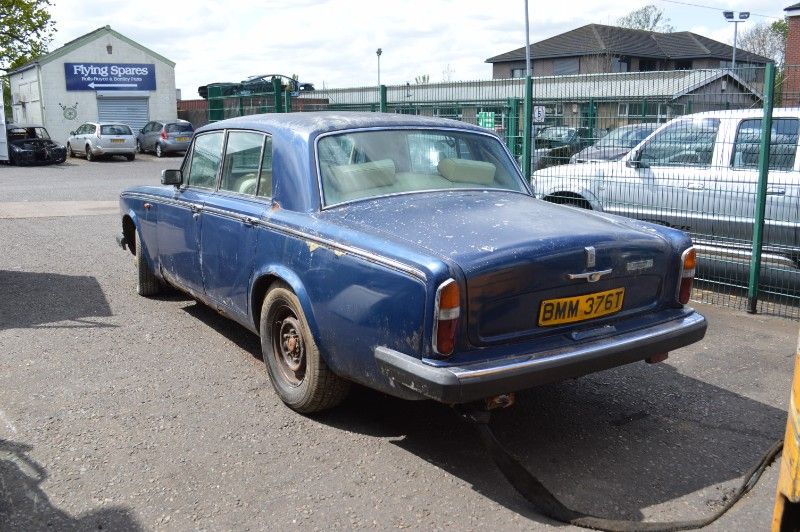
(699, 173)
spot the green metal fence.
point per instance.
(727, 177)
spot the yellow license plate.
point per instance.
(580, 308)
(117, 141)
(182, 139)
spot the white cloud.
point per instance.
(335, 41)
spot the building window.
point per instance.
(683, 64)
(647, 65)
(517, 72)
(565, 66)
(620, 65)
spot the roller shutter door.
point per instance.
(132, 111)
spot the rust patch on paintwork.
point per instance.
(276, 206)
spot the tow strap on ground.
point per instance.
(548, 505)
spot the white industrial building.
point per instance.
(101, 76)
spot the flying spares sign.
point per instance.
(110, 76)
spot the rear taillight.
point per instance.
(688, 265)
(447, 310)
(163, 134)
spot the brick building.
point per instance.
(790, 91)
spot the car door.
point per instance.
(230, 220)
(180, 220)
(738, 185)
(673, 178)
(152, 135)
(142, 136)
(79, 141)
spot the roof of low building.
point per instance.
(83, 40)
(595, 39)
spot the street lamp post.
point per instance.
(743, 16)
(378, 52)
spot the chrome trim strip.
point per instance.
(324, 242)
(529, 361)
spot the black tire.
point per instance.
(130, 156)
(297, 371)
(139, 147)
(89, 156)
(147, 283)
(159, 151)
(69, 150)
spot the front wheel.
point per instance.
(298, 373)
(139, 147)
(69, 151)
(147, 283)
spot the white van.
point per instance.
(699, 173)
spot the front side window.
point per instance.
(376, 163)
(684, 142)
(242, 162)
(782, 148)
(206, 159)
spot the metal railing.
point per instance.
(728, 177)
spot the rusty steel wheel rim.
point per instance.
(288, 346)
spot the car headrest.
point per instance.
(354, 177)
(466, 171)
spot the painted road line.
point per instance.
(53, 209)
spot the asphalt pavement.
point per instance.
(128, 413)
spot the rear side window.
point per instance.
(783, 144)
(115, 129)
(206, 159)
(179, 128)
(265, 179)
(242, 162)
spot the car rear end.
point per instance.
(175, 137)
(114, 139)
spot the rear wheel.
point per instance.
(139, 147)
(298, 373)
(159, 152)
(147, 283)
(69, 150)
(89, 156)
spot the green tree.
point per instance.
(25, 31)
(649, 17)
(768, 40)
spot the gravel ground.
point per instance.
(132, 413)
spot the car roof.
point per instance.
(778, 112)
(309, 125)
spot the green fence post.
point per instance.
(287, 102)
(216, 104)
(527, 122)
(591, 117)
(383, 99)
(276, 93)
(512, 127)
(761, 193)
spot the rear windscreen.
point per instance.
(116, 129)
(179, 128)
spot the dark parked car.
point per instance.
(556, 144)
(165, 136)
(616, 144)
(29, 144)
(406, 254)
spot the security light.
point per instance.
(728, 14)
(744, 15)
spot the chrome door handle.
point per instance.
(249, 222)
(696, 186)
(776, 191)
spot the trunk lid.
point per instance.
(516, 252)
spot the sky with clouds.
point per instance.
(332, 43)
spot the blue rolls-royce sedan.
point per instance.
(406, 254)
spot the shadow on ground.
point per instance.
(32, 299)
(25, 506)
(611, 444)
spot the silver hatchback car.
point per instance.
(97, 139)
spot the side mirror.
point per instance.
(634, 161)
(72, 133)
(171, 176)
